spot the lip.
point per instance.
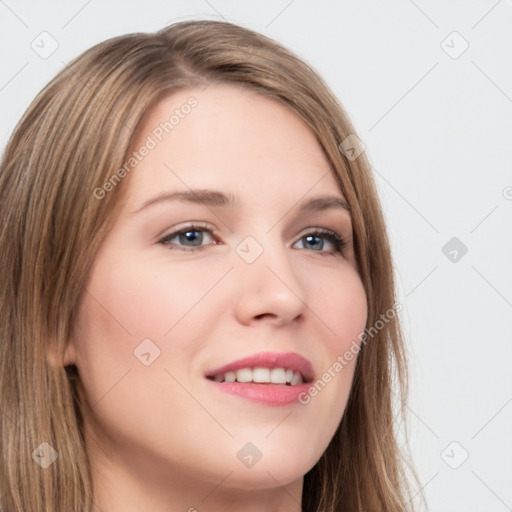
(267, 394)
(286, 360)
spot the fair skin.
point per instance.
(161, 437)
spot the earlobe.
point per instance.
(57, 359)
(69, 354)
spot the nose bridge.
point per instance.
(263, 250)
(269, 284)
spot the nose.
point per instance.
(269, 288)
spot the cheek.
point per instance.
(129, 301)
(141, 300)
(126, 302)
(341, 305)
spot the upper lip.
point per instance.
(286, 360)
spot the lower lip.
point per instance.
(269, 394)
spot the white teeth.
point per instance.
(244, 375)
(297, 379)
(278, 376)
(230, 377)
(262, 375)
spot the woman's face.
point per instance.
(161, 311)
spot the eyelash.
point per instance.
(338, 242)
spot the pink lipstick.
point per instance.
(271, 378)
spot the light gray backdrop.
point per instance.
(429, 87)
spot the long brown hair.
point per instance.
(74, 136)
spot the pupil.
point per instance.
(309, 237)
(190, 236)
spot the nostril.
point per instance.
(265, 314)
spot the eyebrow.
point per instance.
(215, 198)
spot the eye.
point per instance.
(188, 238)
(191, 238)
(316, 239)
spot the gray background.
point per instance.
(436, 120)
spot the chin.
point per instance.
(275, 467)
(267, 476)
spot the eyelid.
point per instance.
(190, 226)
(187, 226)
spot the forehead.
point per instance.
(231, 137)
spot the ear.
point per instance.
(56, 358)
(69, 353)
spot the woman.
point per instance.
(198, 306)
